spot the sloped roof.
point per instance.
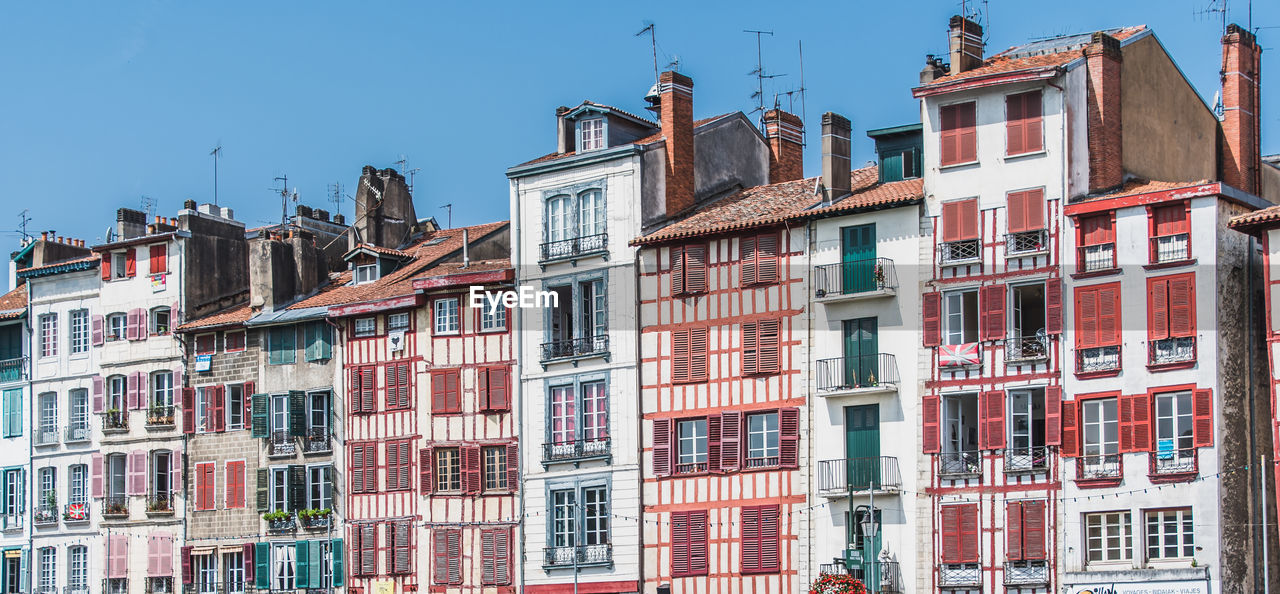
(235, 316)
(13, 304)
(646, 140)
(1134, 187)
(1268, 217)
(83, 263)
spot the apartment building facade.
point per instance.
(15, 370)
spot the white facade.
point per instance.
(16, 501)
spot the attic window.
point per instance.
(366, 273)
(436, 241)
(591, 134)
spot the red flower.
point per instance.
(837, 583)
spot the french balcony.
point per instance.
(315, 519)
(45, 590)
(280, 523)
(1026, 573)
(1025, 349)
(13, 370)
(575, 247)
(1023, 460)
(1170, 248)
(160, 416)
(280, 443)
(886, 575)
(317, 441)
(1026, 243)
(1095, 258)
(965, 251)
(115, 585)
(45, 435)
(1099, 467)
(960, 464)
(76, 512)
(1098, 359)
(876, 372)
(77, 432)
(215, 588)
(579, 556)
(577, 451)
(160, 504)
(45, 515)
(11, 522)
(575, 348)
(873, 277)
(960, 574)
(691, 467)
(159, 585)
(1169, 351)
(115, 507)
(1174, 462)
(838, 478)
(115, 421)
(76, 589)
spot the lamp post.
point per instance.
(870, 528)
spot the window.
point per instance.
(580, 531)
(1171, 319)
(116, 386)
(159, 256)
(493, 317)
(117, 325)
(366, 273)
(281, 345)
(78, 568)
(319, 487)
(1023, 133)
(234, 341)
(278, 488)
(960, 317)
(1170, 233)
(1108, 537)
(116, 476)
(48, 418)
(899, 164)
(282, 569)
(1100, 439)
(206, 408)
(1175, 434)
(398, 468)
(961, 231)
(760, 539)
(1026, 222)
(447, 556)
(399, 548)
(233, 572)
(495, 468)
(397, 321)
(590, 214)
(578, 321)
(689, 355)
(318, 421)
(1170, 534)
(235, 406)
(206, 573)
(760, 347)
(366, 327)
(1097, 240)
(205, 485)
(494, 387)
(13, 408)
(688, 543)
(960, 533)
(689, 269)
(79, 405)
(960, 434)
(758, 257)
(161, 389)
(592, 134)
(559, 219)
(77, 475)
(364, 467)
(235, 495)
(49, 335)
(1030, 328)
(495, 547)
(959, 133)
(14, 574)
(448, 469)
(446, 395)
(692, 446)
(79, 331)
(48, 569)
(595, 518)
(207, 344)
(160, 479)
(398, 387)
(1098, 328)
(1026, 430)
(446, 315)
(14, 490)
(120, 265)
(762, 440)
(159, 321)
(563, 516)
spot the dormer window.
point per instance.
(366, 273)
(590, 134)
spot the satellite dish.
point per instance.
(111, 234)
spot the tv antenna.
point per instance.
(23, 221)
(1218, 7)
(148, 205)
(285, 196)
(449, 212)
(335, 196)
(215, 153)
(652, 30)
(410, 173)
(759, 73)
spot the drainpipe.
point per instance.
(811, 244)
(518, 336)
(639, 416)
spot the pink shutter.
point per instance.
(789, 437)
(153, 556)
(177, 380)
(164, 556)
(132, 391)
(95, 474)
(99, 332)
(1053, 415)
(730, 440)
(99, 399)
(662, 447)
(138, 472)
(175, 471)
(118, 556)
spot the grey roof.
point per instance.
(288, 316)
(1053, 45)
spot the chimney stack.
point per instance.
(933, 69)
(466, 243)
(1241, 148)
(675, 95)
(130, 223)
(564, 132)
(836, 171)
(1105, 130)
(785, 133)
(966, 44)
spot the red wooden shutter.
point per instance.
(713, 443)
(130, 262)
(993, 312)
(487, 554)
(969, 224)
(1202, 418)
(932, 306)
(106, 267)
(1033, 530)
(357, 468)
(246, 554)
(499, 398)
(950, 530)
(1070, 429)
(209, 484)
(452, 391)
(156, 263)
(1035, 207)
(390, 380)
(425, 480)
(186, 565)
(1013, 530)
(695, 268)
(677, 270)
(513, 466)
(219, 407)
(1158, 308)
(188, 410)
(1053, 306)
(371, 468)
(966, 122)
(1015, 133)
(680, 356)
(1108, 326)
(367, 389)
(1143, 424)
(1052, 415)
(951, 216)
(1016, 212)
(747, 257)
(471, 466)
(993, 433)
(1182, 305)
(770, 538)
(482, 387)
(1031, 121)
(1086, 318)
(437, 391)
(750, 539)
(969, 535)
(1124, 404)
(770, 339)
(680, 544)
(767, 258)
(698, 354)
(929, 412)
(662, 447)
(789, 437)
(698, 542)
(369, 549)
(750, 348)
(730, 440)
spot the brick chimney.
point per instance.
(1241, 106)
(785, 133)
(675, 95)
(965, 40)
(564, 132)
(1106, 132)
(836, 171)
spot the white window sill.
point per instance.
(942, 168)
(1024, 156)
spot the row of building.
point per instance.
(1037, 328)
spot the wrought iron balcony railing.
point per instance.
(115, 506)
(77, 432)
(573, 247)
(1170, 248)
(1105, 466)
(884, 575)
(280, 443)
(960, 574)
(879, 473)
(575, 347)
(860, 371)
(1092, 258)
(11, 521)
(959, 251)
(1174, 461)
(854, 278)
(45, 515)
(1026, 573)
(314, 521)
(13, 370)
(115, 421)
(959, 463)
(586, 555)
(78, 588)
(1173, 350)
(115, 585)
(159, 585)
(581, 449)
(1026, 348)
(1025, 459)
(1026, 242)
(1105, 358)
(285, 525)
(76, 512)
(317, 441)
(691, 467)
(160, 416)
(160, 503)
(214, 587)
(45, 435)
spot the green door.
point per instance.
(858, 258)
(861, 353)
(862, 446)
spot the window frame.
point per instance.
(371, 331)
(1184, 517)
(487, 322)
(1024, 122)
(452, 322)
(775, 432)
(78, 332)
(598, 140)
(454, 468)
(205, 343)
(362, 274)
(113, 322)
(1124, 534)
(48, 335)
(153, 323)
(226, 341)
(1083, 245)
(1153, 222)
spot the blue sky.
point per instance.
(105, 103)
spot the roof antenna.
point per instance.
(335, 196)
(215, 153)
(1215, 6)
(23, 220)
(652, 30)
(760, 74)
(149, 205)
(284, 198)
(449, 211)
(804, 113)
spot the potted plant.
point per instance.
(315, 517)
(837, 583)
(278, 521)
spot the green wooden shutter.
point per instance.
(302, 564)
(339, 572)
(317, 562)
(264, 501)
(25, 581)
(297, 487)
(262, 566)
(310, 334)
(13, 413)
(297, 413)
(324, 338)
(259, 421)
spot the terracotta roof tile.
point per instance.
(1268, 215)
(1134, 187)
(646, 140)
(14, 303)
(228, 317)
(381, 250)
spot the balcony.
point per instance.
(160, 504)
(75, 513)
(77, 432)
(82, 588)
(862, 373)
(960, 464)
(115, 421)
(1099, 467)
(1026, 573)
(837, 478)
(568, 249)
(578, 556)
(960, 574)
(1026, 243)
(315, 519)
(1168, 351)
(874, 277)
(13, 370)
(45, 515)
(218, 588)
(1095, 258)
(45, 435)
(885, 575)
(959, 252)
(575, 348)
(1026, 348)
(691, 467)
(159, 585)
(578, 451)
(160, 416)
(45, 590)
(11, 521)
(1098, 359)
(280, 443)
(115, 507)
(1020, 460)
(1174, 462)
(115, 585)
(1170, 248)
(317, 441)
(280, 522)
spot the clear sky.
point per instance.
(107, 102)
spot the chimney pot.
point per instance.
(675, 92)
(785, 133)
(965, 40)
(44, 236)
(836, 155)
(564, 132)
